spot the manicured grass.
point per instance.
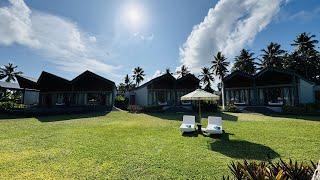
(140, 146)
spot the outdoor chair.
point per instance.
(214, 125)
(188, 124)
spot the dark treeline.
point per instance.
(304, 59)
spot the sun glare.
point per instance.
(134, 16)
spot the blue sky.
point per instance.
(111, 37)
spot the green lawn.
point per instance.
(140, 146)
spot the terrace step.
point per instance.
(259, 109)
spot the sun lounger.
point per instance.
(188, 124)
(214, 125)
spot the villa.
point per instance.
(164, 90)
(84, 90)
(270, 87)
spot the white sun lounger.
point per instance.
(214, 125)
(188, 124)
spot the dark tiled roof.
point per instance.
(29, 78)
(8, 85)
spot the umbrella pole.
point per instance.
(199, 112)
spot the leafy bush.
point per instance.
(301, 109)
(121, 102)
(280, 170)
(10, 105)
(231, 108)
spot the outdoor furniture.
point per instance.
(239, 103)
(200, 95)
(186, 103)
(199, 127)
(188, 124)
(162, 103)
(214, 125)
(275, 103)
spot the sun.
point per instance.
(134, 16)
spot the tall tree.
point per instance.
(183, 71)
(272, 56)
(206, 78)
(9, 72)
(138, 75)
(306, 55)
(245, 62)
(220, 69)
(305, 42)
(127, 83)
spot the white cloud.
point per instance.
(93, 39)
(144, 37)
(61, 41)
(303, 15)
(228, 27)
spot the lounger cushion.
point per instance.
(187, 128)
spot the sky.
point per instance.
(111, 37)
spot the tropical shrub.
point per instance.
(280, 170)
(121, 102)
(10, 105)
(231, 108)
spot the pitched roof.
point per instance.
(264, 70)
(87, 72)
(155, 79)
(189, 75)
(44, 74)
(237, 72)
(8, 85)
(28, 78)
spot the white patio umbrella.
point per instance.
(200, 95)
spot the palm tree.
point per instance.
(245, 62)
(138, 75)
(304, 42)
(219, 66)
(183, 71)
(127, 83)
(272, 56)
(206, 77)
(9, 72)
(305, 54)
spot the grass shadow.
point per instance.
(241, 149)
(6, 116)
(227, 116)
(65, 117)
(190, 134)
(177, 116)
(298, 117)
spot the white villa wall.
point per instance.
(306, 92)
(141, 96)
(31, 97)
